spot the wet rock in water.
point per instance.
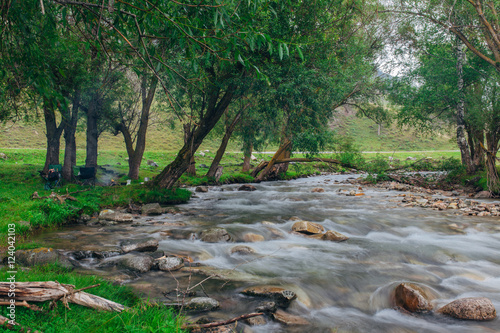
(472, 308)
(170, 263)
(83, 219)
(412, 298)
(289, 319)
(230, 328)
(202, 304)
(215, 235)
(247, 187)
(110, 215)
(308, 228)
(256, 321)
(266, 307)
(252, 238)
(242, 249)
(151, 209)
(334, 236)
(42, 256)
(318, 190)
(139, 245)
(137, 262)
(482, 195)
(201, 189)
(280, 295)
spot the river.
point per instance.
(341, 287)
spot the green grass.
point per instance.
(139, 316)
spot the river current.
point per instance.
(341, 287)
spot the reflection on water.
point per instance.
(344, 286)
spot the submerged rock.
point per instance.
(281, 296)
(215, 235)
(308, 228)
(242, 249)
(252, 238)
(110, 215)
(140, 245)
(289, 319)
(247, 187)
(197, 304)
(412, 298)
(472, 308)
(318, 190)
(201, 189)
(334, 236)
(151, 209)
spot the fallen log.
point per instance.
(263, 165)
(53, 290)
(24, 304)
(222, 323)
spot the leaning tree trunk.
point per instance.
(53, 137)
(491, 169)
(223, 145)
(476, 139)
(286, 145)
(173, 171)
(247, 155)
(461, 139)
(70, 140)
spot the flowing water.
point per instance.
(341, 287)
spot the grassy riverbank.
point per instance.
(139, 315)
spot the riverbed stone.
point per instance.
(252, 238)
(140, 245)
(110, 215)
(136, 262)
(289, 319)
(242, 249)
(281, 296)
(266, 307)
(412, 298)
(247, 187)
(151, 209)
(482, 195)
(256, 321)
(318, 190)
(215, 235)
(170, 263)
(201, 189)
(202, 304)
(42, 256)
(471, 308)
(308, 228)
(334, 236)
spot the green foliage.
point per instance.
(347, 152)
(139, 316)
(236, 177)
(51, 213)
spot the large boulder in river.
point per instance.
(140, 245)
(334, 236)
(472, 308)
(136, 262)
(215, 235)
(201, 189)
(412, 298)
(281, 296)
(151, 209)
(308, 228)
(42, 256)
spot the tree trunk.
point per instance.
(53, 136)
(92, 131)
(135, 155)
(476, 139)
(172, 172)
(461, 139)
(191, 170)
(247, 155)
(491, 170)
(223, 145)
(286, 145)
(69, 138)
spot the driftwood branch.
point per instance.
(65, 296)
(24, 304)
(52, 290)
(225, 322)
